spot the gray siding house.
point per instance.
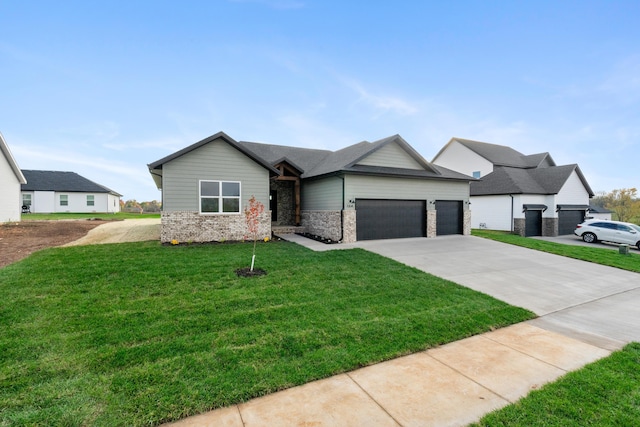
(370, 190)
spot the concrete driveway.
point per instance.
(594, 303)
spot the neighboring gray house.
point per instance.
(370, 190)
(55, 191)
(527, 194)
(10, 180)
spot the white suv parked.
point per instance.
(609, 231)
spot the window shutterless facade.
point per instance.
(219, 197)
(64, 200)
(90, 200)
(26, 199)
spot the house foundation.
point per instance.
(190, 226)
(325, 224)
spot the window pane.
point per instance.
(63, 200)
(209, 188)
(209, 205)
(231, 205)
(231, 189)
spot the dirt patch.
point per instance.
(20, 239)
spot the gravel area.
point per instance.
(129, 230)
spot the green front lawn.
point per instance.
(104, 216)
(139, 333)
(604, 393)
(597, 255)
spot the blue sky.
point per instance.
(104, 88)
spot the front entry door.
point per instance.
(273, 205)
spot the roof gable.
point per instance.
(157, 165)
(4, 148)
(38, 180)
(350, 158)
(499, 155)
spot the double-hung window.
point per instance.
(90, 200)
(219, 197)
(64, 200)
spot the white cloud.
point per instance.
(381, 104)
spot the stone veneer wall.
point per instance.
(431, 223)
(322, 223)
(189, 226)
(550, 227)
(466, 223)
(286, 202)
(349, 226)
(519, 226)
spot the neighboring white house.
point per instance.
(526, 194)
(10, 180)
(55, 191)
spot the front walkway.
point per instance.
(452, 385)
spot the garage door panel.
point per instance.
(390, 219)
(567, 221)
(449, 217)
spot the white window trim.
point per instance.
(93, 200)
(66, 200)
(220, 197)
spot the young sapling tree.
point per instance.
(252, 214)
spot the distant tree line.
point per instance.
(623, 203)
(140, 207)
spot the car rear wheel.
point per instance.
(638, 245)
(589, 238)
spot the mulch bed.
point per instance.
(318, 238)
(246, 272)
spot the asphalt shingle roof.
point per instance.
(509, 180)
(313, 163)
(302, 158)
(499, 155)
(38, 180)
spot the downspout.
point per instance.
(511, 195)
(342, 211)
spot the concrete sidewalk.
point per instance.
(456, 384)
(452, 385)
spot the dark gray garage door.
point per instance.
(390, 219)
(567, 221)
(533, 223)
(449, 217)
